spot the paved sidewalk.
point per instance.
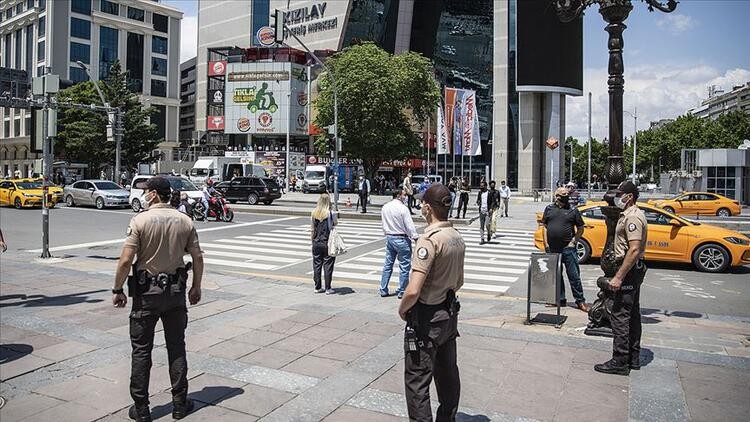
(268, 350)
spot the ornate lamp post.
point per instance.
(614, 12)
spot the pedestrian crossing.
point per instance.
(490, 268)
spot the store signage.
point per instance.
(552, 142)
(316, 159)
(309, 20)
(258, 76)
(217, 68)
(245, 154)
(216, 96)
(215, 123)
(266, 36)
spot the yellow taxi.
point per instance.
(670, 239)
(698, 203)
(22, 193)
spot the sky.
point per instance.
(670, 60)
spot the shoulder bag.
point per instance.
(336, 245)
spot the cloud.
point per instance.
(676, 24)
(657, 91)
(188, 38)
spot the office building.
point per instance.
(720, 102)
(52, 35)
(473, 45)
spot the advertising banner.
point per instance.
(458, 121)
(469, 109)
(217, 68)
(266, 98)
(296, 162)
(274, 162)
(442, 135)
(450, 101)
(215, 123)
(476, 144)
(216, 97)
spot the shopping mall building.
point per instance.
(518, 58)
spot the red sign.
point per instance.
(412, 163)
(215, 123)
(217, 68)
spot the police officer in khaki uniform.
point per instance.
(430, 309)
(158, 238)
(630, 244)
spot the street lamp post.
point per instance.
(117, 136)
(614, 12)
(634, 115)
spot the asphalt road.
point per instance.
(278, 246)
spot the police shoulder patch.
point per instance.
(422, 253)
(128, 231)
(631, 227)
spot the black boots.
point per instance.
(180, 410)
(140, 413)
(613, 367)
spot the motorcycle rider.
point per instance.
(209, 192)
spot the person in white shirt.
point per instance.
(363, 188)
(504, 198)
(485, 202)
(399, 230)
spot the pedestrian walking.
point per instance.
(158, 238)
(293, 184)
(452, 186)
(495, 202)
(629, 245)
(399, 231)
(504, 197)
(430, 308)
(486, 204)
(463, 197)
(363, 188)
(323, 221)
(563, 228)
(409, 191)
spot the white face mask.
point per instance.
(619, 203)
(149, 198)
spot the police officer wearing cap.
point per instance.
(629, 246)
(430, 309)
(158, 239)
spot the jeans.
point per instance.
(396, 246)
(485, 219)
(453, 203)
(570, 260)
(463, 201)
(322, 261)
(505, 206)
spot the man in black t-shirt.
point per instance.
(563, 228)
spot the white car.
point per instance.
(178, 183)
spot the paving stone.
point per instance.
(70, 411)
(259, 337)
(545, 362)
(584, 373)
(212, 389)
(196, 342)
(656, 393)
(489, 358)
(77, 388)
(65, 350)
(298, 344)
(322, 333)
(716, 391)
(286, 327)
(340, 351)
(485, 375)
(311, 318)
(276, 379)
(216, 413)
(38, 341)
(391, 381)
(528, 394)
(256, 400)
(21, 365)
(27, 405)
(120, 373)
(347, 321)
(348, 414)
(601, 394)
(591, 356)
(314, 366)
(11, 334)
(355, 338)
(230, 349)
(714, 373)
(576, 410)
(270, 357)
(490, 343)
(381, 328)
(708, 410)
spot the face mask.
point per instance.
(563, 201)
(149, 198)
(424, 213)
(619, 203)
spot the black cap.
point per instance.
(160, 185)
(627, 187)
(436, 195)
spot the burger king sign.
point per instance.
(266, 36)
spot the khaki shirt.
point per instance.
(161, 236)
(439, 254)
(631, 225)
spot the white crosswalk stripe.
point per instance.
(490, 268)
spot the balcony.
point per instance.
(19, 21)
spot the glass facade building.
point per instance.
(108, 38)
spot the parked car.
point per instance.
(250, 189)
(178, 183)
(99, 193)
(670, 238)
(417, 180)
(22, 193)
(699, 203)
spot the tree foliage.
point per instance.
(82, 133)
(378, 95)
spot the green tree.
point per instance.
(378, 96)
(82, 134)
(599, 153)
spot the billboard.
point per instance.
(549, 52)
(265, 98)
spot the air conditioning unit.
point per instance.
(682, 173)
(697, 173)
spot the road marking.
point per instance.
(116, 241)
(247, 257)
(121, 212)
(240, 264)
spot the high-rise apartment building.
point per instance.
(53, 35)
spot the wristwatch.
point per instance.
(118, 291)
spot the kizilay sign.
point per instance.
(309, 20)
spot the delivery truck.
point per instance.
(220, 169)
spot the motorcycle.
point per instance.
(218, 208)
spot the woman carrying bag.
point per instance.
(323, 222)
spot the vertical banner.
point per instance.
(469, 112)
(476, 144)
(450, 100)
(459, 111)
(442, 135)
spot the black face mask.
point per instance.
(563, 201)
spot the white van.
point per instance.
(315, 179)
(223, 168)
(178, 183)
